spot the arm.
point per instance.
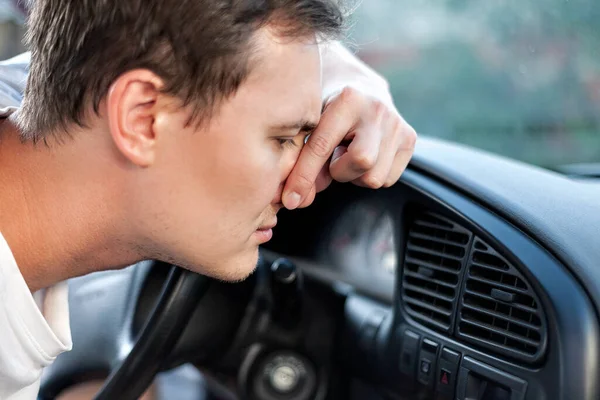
(340, 68)
(359, 109)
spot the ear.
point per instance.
(131, 111)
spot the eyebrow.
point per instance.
(305, 126)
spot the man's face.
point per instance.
(216, 191)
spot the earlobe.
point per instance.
(131, 110)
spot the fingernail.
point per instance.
(292, 200)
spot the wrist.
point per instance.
(341, 69)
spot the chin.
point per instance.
(234, 269)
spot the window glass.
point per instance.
(516, 77)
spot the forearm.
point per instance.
(340, 68)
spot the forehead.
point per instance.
(285, 74)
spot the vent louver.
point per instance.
(435, 253)
(499, 309)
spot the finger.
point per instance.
(339, 118)
(400, 163)
(324, 178)
(377, 176)
(322, 182)
(364, 150)
(361, 155)
(310, 198)
(406, 149)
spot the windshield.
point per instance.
(519, 78)
(516, 77)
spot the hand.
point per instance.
(359, 139)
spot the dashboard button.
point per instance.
(446, 374)
(425, 366)
(408, 356)
(445, 377)
(427, 357)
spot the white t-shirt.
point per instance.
(32, 334)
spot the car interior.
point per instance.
(459, 282)
(475, 277)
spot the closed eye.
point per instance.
(283, 142)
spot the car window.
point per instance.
(516, 77)
(11, 29)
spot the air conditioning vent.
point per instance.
(435, 253)
(499, 310)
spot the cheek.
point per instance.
(249, 178)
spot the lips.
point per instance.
(264, 233)
(270, 225)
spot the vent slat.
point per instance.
(424, 236)
(436, 281)
(437, 220)
(500, 285)
(427, 306)
(515, 305)
(428, 292)
(446, 227)
(504, 317)
(429, 321)
(502, 332)
(488, 259)
(524, 351)
(417, 262)
(436, 253)
(489, 267)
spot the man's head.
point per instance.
(191, 112)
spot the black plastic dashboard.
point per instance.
(539, 337)
(469, 279)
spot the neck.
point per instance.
(59, 220)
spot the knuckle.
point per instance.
(373, 182)
(410, 138)
(349, 95)
(390, 182)
(302, 182)
(397, 125)
(319, 146)
(364, 161)
(378, 109)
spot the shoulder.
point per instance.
(13, 77)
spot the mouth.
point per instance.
(270, 225)
(264, 233)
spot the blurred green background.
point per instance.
(516, 77)
(11, 29)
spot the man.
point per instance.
(155, 129)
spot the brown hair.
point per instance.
(200, 48)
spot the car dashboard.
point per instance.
(447, 297)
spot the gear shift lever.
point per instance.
(286, 287)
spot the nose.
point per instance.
(289, 161)
(287, 165)
(277, 198)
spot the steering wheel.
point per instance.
(135, 359)
(179, 296)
